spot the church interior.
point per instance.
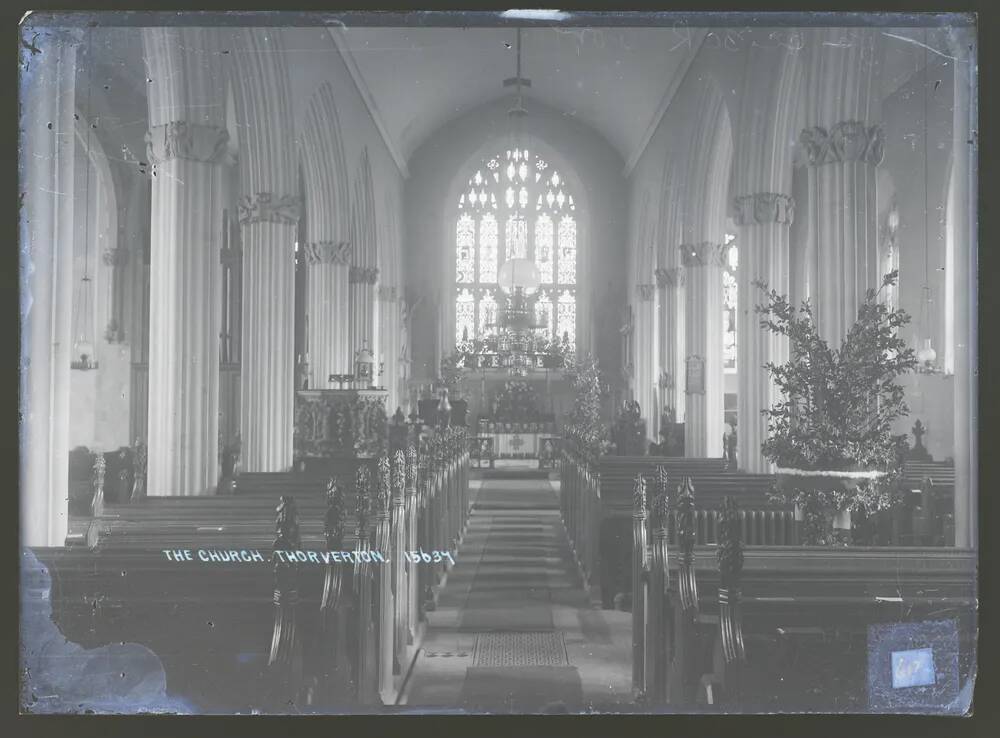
(519, 363)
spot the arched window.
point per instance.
(729, 295)
(516, 205)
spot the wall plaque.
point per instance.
(695, 375)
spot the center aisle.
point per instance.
(514, 630)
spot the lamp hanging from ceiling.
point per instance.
(518, 278)
(83, 321)
(926, 354)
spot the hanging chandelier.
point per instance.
(926, 355)
(83, 357)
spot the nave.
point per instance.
(514, 630)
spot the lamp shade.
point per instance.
(519, 273)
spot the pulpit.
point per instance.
(339, 424)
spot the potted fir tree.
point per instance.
(830, 435)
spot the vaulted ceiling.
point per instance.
(616, 80)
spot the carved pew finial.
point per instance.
(685, 521)
(284, 645)
(658, 511)
(333, 522)
(730, 553)
(411, 469)
(383, 486)
(97, 481)
(687, 579)
(398, 476)
(730, 557)
(639, 496)
(364, 503)
(662, 480)
(139, 462)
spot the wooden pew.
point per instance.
(596, 506)
(340, 634)
(719, 596)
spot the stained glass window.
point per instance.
(487, 313)
(488, 249)
(465, 256)
(465, 316)
(515, 205)
(566, 318)
(544, 258)
(729, 296)
(567, 250)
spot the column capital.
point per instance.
(387, 293)
(705, 253)
(327, 252)
(363, 275)
(762, 208)
(180, 139)
(669, 277)
(849, 140)
(645, 292)
(265, 207)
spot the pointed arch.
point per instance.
(327, 179)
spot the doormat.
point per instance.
(516, 649)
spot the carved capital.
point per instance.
(327, 252)
(762, 208)
(387, 293)
(363, 275)
(264, 207)
(182, 140)
(672, 277)
(705, 253)
(849, 140)
(116, 257)
(645, 292)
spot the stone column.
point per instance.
(185, 306)
(670, 282)
(269, 211)
(362, 293)
(269, 225)
(327, 308)
(646, 356)
(962, 214)
(842, 145)
(187, 146)
(704, 389)
(48, 89)
(843, 221)
(764, 219)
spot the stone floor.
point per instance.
(514, 629)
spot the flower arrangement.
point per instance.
(830, 434)
(584, 426)
(515, 401)
(453, 371)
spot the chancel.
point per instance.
(542, 364)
